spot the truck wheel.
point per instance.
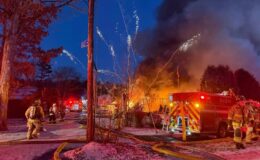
(222, 130)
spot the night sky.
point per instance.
(70, 29)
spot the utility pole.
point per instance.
(90, 94)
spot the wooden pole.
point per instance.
(90, 116)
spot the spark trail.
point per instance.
(183, 48)
(137, 20)
(109, 46)
(189, 43)
(128, 35)
(73, 58)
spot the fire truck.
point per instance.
(73, 104)
(204, 113)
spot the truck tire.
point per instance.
(222, 130)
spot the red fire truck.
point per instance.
(73, 104)
(203, 112)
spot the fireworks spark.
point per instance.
(184, 47)
(109, 46)
(68, 54)
(112, 50)
(73, 58)
(108, 72)
(189, 43)
(129, 42)
(137, 20)
(100, 34)
(127, 32)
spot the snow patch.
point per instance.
(227, 150)
(248, 153)
(119, 151)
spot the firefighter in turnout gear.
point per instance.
(240, 117)
(250, 122)
(34, 114)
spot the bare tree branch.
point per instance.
(48, 1)
(78, 9)
(59, 3)
(65, 3)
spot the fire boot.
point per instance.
(242, 146)
(237, 145)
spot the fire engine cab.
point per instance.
(203, 112)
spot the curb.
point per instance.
(42, 141)
(202, 141)
(56, 155)
(199, 150)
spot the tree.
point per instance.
(67, 82)
(44, 69)
(247, 84)
(217, 79)
(24, 25)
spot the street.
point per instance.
(156, 143)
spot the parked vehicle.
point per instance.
(203, 112)
(74, 105)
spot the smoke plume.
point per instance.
(229, 35)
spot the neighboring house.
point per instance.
(20, 100)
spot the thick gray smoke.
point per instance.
(230, 35)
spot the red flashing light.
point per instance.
(202, 97)
(70, 102)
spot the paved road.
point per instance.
(69, 129)
(44, 147)
(14, 146)
(27, 151)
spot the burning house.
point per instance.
(172, 62)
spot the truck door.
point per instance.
(208, 117)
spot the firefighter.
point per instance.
(257, 119)
(250, 121)
(231, 93)
(165, 122)
(172, 123)
(240, 117)
(34, 114)
(254, 122)
(53, 113)
(236, 119)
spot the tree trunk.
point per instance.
(5, 83)
(5, 74)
